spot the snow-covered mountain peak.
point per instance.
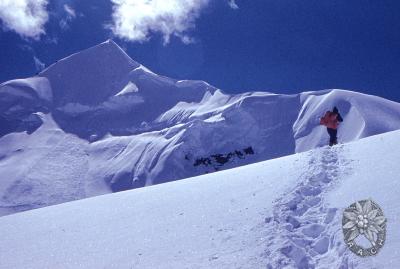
(89, 77)
(111, 124)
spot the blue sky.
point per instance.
(283, 46)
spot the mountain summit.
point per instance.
(90, 76)
(97, 122)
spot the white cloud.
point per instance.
(63, 24)
(25, 17)
(232, 4)
(71, 14)
(70, 11)
(39, 65)
(136, 20)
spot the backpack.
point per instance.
(329, 120)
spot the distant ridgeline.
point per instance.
(218, 160)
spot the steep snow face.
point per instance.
(91, 76)
(45, 168)
(128, 127)
(101, 90)
(281, 213)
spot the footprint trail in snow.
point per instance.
(303, 231)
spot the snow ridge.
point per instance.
(309, 231)
(138, 128)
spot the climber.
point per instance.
(331, 120)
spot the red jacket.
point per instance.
(330, 120)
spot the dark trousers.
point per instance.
(332, 136)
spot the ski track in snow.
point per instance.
(304, 232)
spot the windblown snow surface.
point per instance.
(98, 122)
(281, 213)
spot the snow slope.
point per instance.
(98, 122)
(281, 213)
